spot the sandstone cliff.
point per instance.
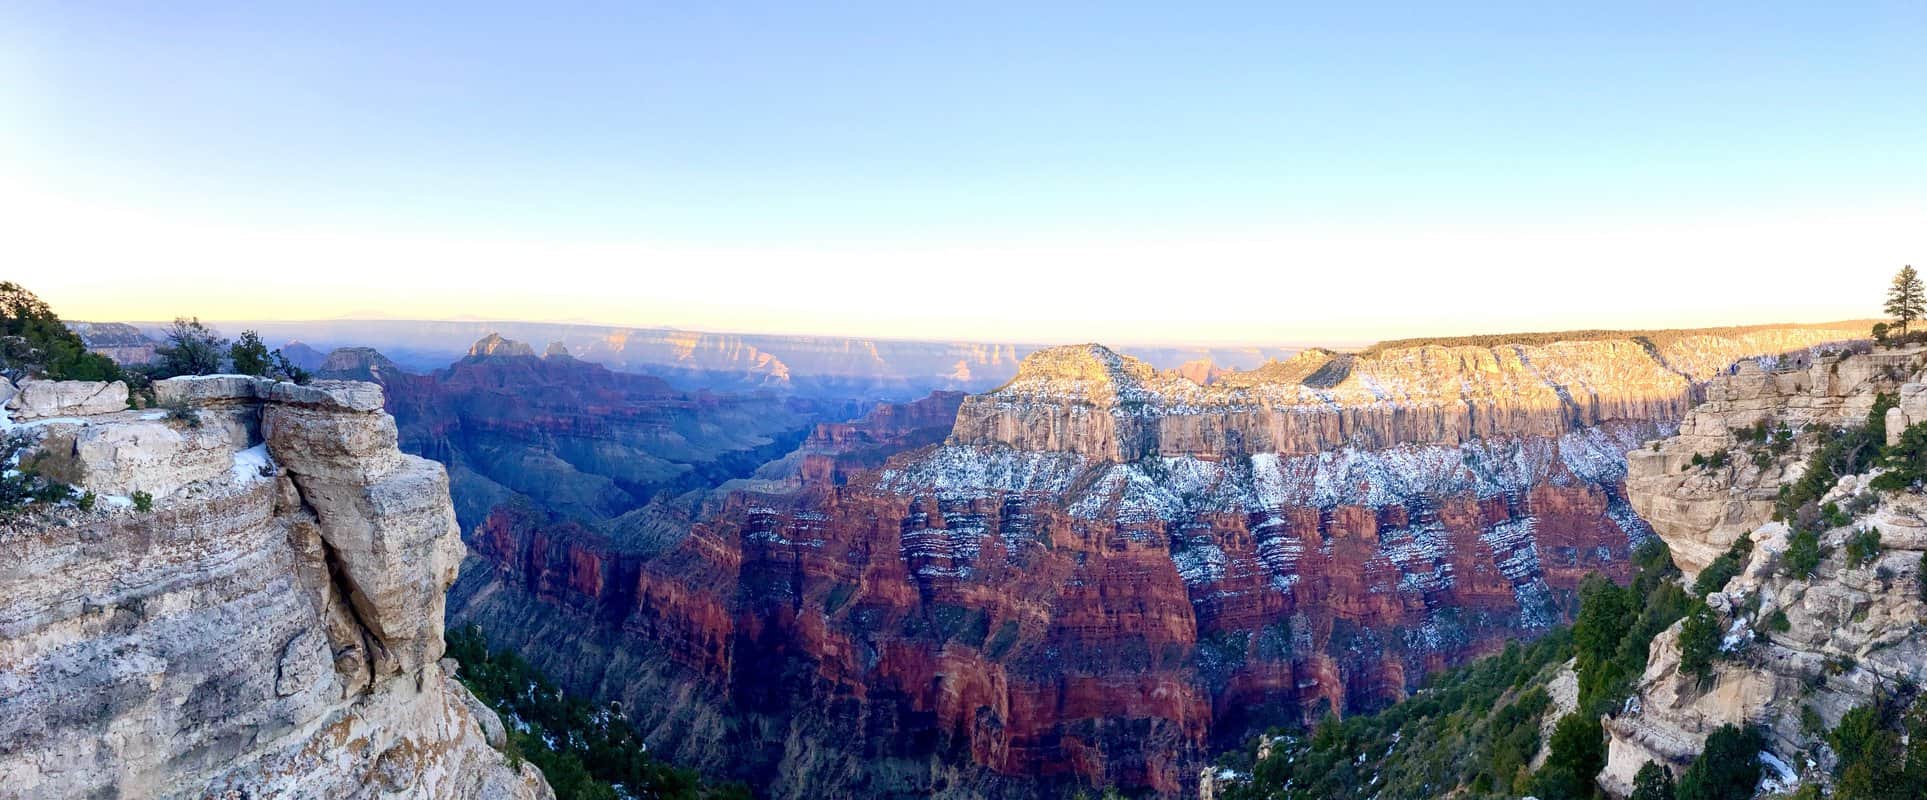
(1798, 651)
(1091, 401)
(271, 628)
(1701, 512)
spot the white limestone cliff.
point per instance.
(1797, 652)
(272, 628)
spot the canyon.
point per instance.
(1098, 572)
(248, 602)
(811, 366)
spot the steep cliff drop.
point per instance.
(1105, 570)
(1801, 638)
(270, 628)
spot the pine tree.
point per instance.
(1577, 753)
(1699, 640)
(1907, 298)
(249, 356)
(1654, 782)
(34, 342)
(192, 349)
(1727, 769)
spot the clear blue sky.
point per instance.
(791, 127)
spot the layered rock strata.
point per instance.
(573, 437)
(1097, 403)
(1797, 651)
(1105, 570)
(1700, 512)
(271, 628)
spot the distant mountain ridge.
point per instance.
(824, 366)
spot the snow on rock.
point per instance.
(252, 464)
(1174, 487)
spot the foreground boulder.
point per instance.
(271, 628)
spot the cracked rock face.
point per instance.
(45, 399)
(270, 629)
(1793, 647)
(1701, 512)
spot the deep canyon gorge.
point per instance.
(1093, 575)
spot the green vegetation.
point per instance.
(1882, 750)
(1921, 574)
(1578, 752)
(1729, 564)
(22, 489)
(143, 502)
(1905, 460)
(1906, 298)
(1863, 547)
(584, 750)
(192, 349)
(248, 356)
(34, 342)
(1802, 554)
(182, 412)
(1778, 623)
(1474, 729)
(1653, 782)
(1609, 653)
(1718, 460)
(1849, 451)
(1727, 769)
(1699, 642)
(1767, 444)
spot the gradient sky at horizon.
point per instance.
(987, 171)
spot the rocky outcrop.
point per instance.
(119, 341)
(359, 364)
(1700, 512)
(1088, 400)
(271, 628)
(47, 399)
(1798, 651)
(494, 345)
(303, 355)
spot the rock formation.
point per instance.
(303, 355)
(806, 366)
(494, 345)
(1701, 512)
(271, 628)
(1096, 403)
(1105, 570)
(359, 364)
(123, 343)
(1798, 651)
(573, 437)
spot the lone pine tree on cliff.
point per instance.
(1906, 299)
